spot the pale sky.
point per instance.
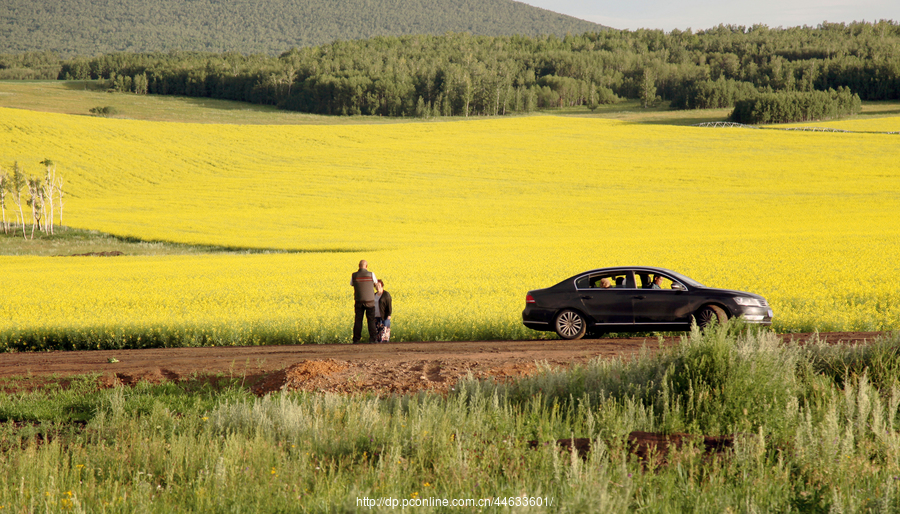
(704, 14)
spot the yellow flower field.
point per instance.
(857, 124)
(460, 218)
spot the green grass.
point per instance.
(68, 241)
(809, 440)
(79, 97)
(71, 241)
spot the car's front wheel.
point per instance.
(570, 325)
(709, 315)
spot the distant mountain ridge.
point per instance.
(92, 27)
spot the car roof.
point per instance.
(628, 268)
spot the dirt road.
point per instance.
(384, 368)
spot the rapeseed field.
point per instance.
(460, 218)
(887, 124)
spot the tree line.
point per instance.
(465, 75)
(30, 66)
(41, 195)
(459, 74)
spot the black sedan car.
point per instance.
(636, 299)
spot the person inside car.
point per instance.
(645, 280)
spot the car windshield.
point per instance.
(685, 280)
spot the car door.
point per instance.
(666, 305)
(606, 305)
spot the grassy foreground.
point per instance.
(815, 431)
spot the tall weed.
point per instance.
(804, 440)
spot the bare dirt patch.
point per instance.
(385, 377)
(114, 253)
(393, 368)
(651, 448)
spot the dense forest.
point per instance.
(96, 27)
(461, 75)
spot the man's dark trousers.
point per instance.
(367, 308)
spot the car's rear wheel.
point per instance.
(570, 325)
(710, 315)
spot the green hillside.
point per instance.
(92, 27)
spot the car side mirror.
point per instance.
(677, 287)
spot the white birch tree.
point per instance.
(4, 183)
(48, 187)
(36, 202)
(16, 184)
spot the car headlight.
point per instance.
(749, 302)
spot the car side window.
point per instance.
(642, 280)
(600, 282)
(652, 281)
(604, 281)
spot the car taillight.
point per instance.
(529, 298)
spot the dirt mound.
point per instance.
(307, 375)
(383, 378)
(154, 376)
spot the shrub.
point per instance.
(104, 111)
(733, 379)
(792, 106)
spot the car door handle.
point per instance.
(640, 297)
(587, 297)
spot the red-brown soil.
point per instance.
(652, 449)
(381, 369)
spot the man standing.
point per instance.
(363, 282)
